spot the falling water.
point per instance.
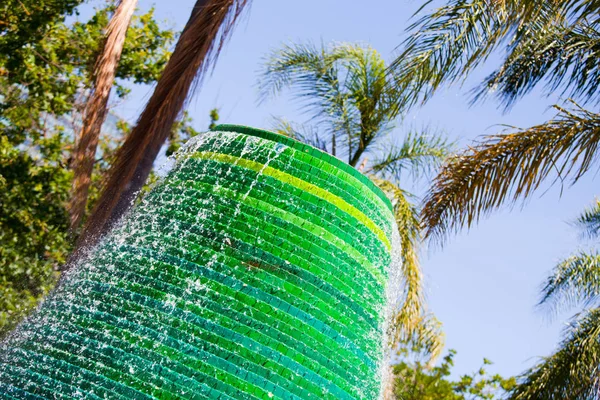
(393, 295)
(255, 269)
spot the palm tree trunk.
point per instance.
(96, 109)
(198, 47)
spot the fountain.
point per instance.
(256, 269)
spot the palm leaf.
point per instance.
(311, 71)
(96, 109)
(589, 221)
(448, 43)
(509, 167)
(445, 44)
(419, 153)
(346, 87)
(573, 281)
(412, 324)
(563, 54)
(198, 47)
(572, 371)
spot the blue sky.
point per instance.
(484, 284)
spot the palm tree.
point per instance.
(556, 43)
(551, 42)
(96, 108)
(572, 371)
(353, 102)
(198, 47)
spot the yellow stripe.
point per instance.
(300, 184)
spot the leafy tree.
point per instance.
(26, 21)
(547, 42)
(40, 112)
(571, 372)
(417, 381)
(33, 225)
(353, 102)
(56, 70)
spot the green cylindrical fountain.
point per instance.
(255, 269)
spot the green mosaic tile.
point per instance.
(256, 269)
(266, 322)
(314, 170)
(308, 149)
(288, 159)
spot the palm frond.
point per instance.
(578, 9)
(199, 45)
(419, 154)
(303, 133)
(310, 70)
(446, 44)
(345, 86)
(300, 64)
(315, 74)
(573, 281)
(573, 9)
(589, 221)
(370, 91)
(572, 371)
(425, 339)
(96, 109)
(510, 167)
(412, 324)
(563, 54)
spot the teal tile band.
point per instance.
(256, 269)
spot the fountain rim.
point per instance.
(311, 150)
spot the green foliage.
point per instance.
(45, 74)
(417, 381)
(214, 118)
(419, 153)
(26, 21)
(33, 225)
(550, 42)
(572, 371)
(54, 72)
(555, 49)
(589, 221)
(346, 88)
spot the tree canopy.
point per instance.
(416, 381)
(45, 73)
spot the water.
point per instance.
(255, 269)
(393, 294)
